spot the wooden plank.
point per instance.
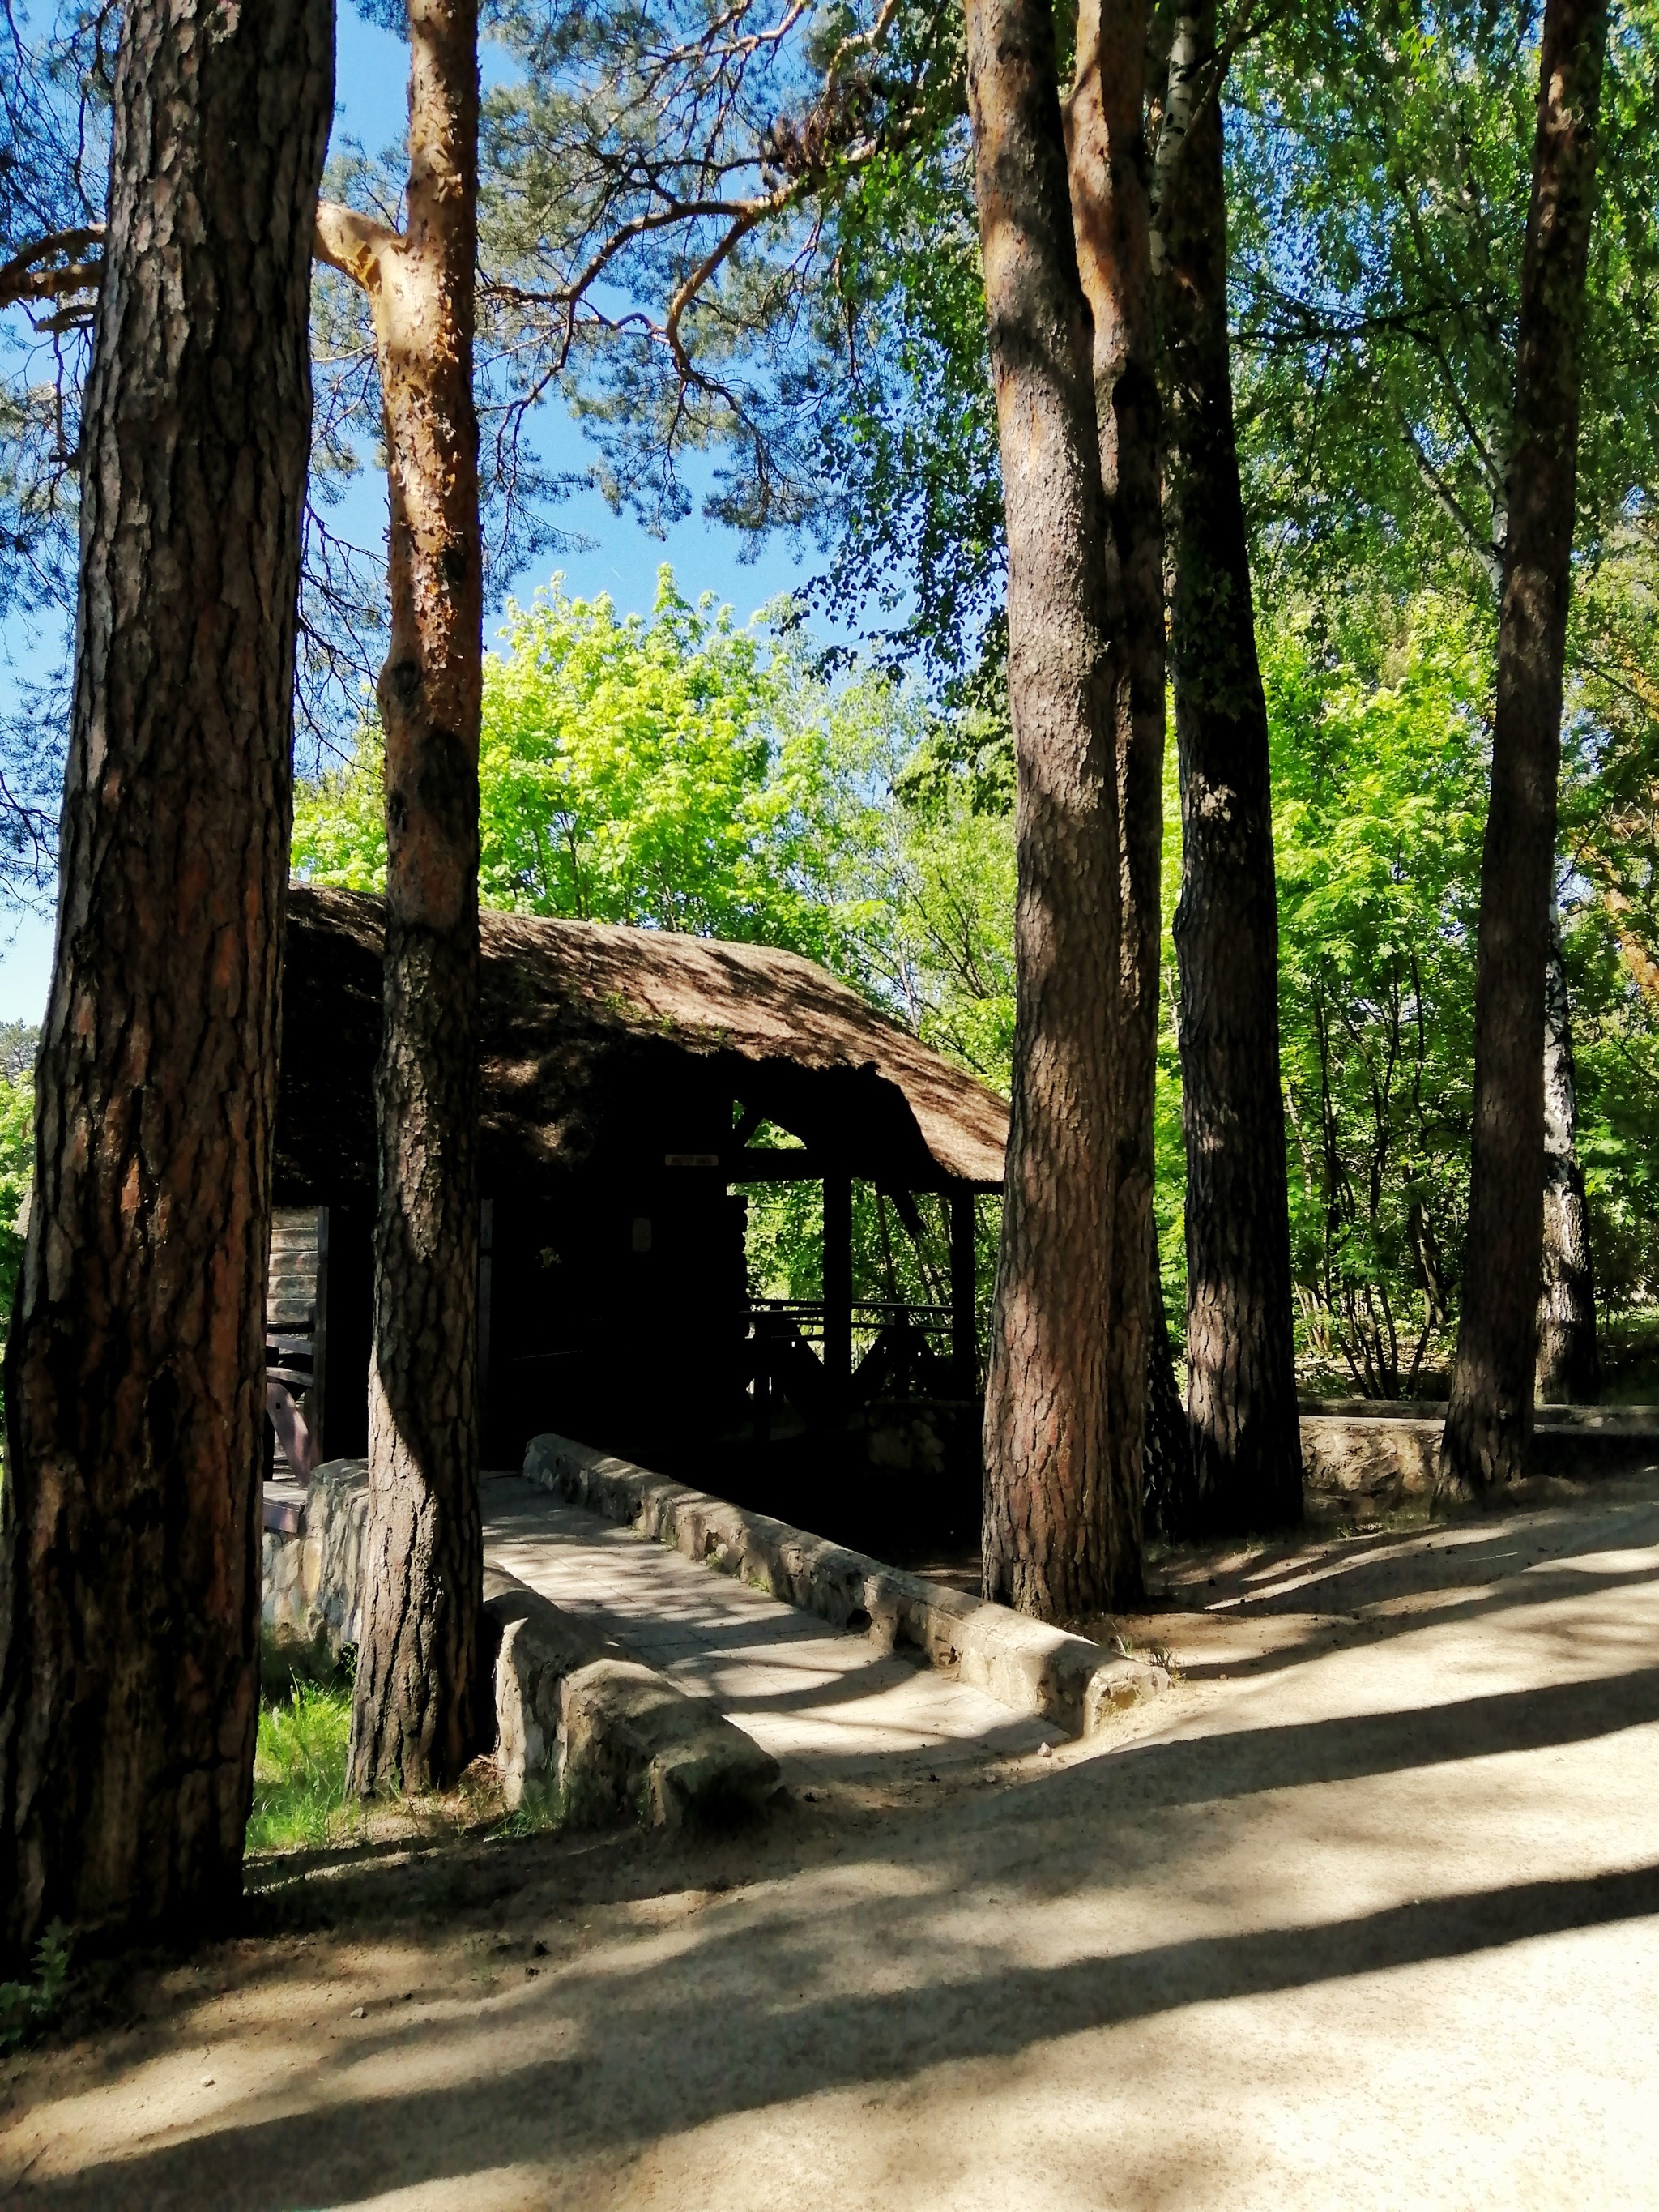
(317, 1398)
(964, 1296)
(838, 1287)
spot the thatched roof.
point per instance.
(582, 1020)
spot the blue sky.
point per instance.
(620, 559)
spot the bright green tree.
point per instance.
(681, 771)
(672, 770)
(16, 1172)
(1379, 773)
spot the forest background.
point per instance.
(835, 774)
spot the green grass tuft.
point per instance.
(298, 1769)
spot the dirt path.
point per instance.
(1365, 1914)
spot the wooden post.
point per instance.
(838, 1287)
(486, 1303)
(964, 1300)
(317, 1396)
(762, 1392)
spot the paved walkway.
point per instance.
(829, 1706)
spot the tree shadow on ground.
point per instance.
(1375, 1588)
(863, 1951)
(554, 2108)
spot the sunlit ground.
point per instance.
(1366, 1913)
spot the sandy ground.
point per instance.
(1365, 1913)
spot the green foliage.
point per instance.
(785, 1251)
(19, 1043)
(1380, 171)
(1379, 166)
(298, 1769)
(675, 771)
(914, 527)
(1379, 773)
(682, 772)
(629, 771)
(26, 2007)
(1616, 1050)
(1610, 842)
(16, 1176)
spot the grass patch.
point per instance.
(299, 1801)
(539, 1812)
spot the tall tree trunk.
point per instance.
(1240, 1350)
(1171, 1502)
(1489, 1420)
(1047, 1532)
(135, 1373)
(1111, 213)
(414, 1719)
(1569, 1371)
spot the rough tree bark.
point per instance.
(1240, 1349)
(414, 1717)
(1111, 211)
(135, 1373)
(1489, 1420)
(1171, 1503)
(1568, 1370)
(1047, 1534)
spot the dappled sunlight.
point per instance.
(1265, 1926)
(495, 2189)
(830, 1705)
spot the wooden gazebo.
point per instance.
(624, 1076)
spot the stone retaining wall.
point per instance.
(312, 1572)
(575, 1714)
(574, 1710)
(1023, 1663)
(1380, 1452)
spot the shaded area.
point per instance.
(549, 2108)
(609, 2022)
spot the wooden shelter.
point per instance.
(625, 1075)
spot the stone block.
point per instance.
(574, 1713)
(1023, 1664)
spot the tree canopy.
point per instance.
(753, 245)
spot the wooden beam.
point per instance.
(486, 1304)
(964, 1295)
(762, 1163)
(838, 1286)
(317, 1403)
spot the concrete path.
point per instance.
(830, 1707)
(1364, 1914)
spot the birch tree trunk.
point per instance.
(1489, 1420)
(1048, 1527)
(1569, 1370)
(414, 1718)
(135, 1373)
(1240, 1346)
(1111, 212)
